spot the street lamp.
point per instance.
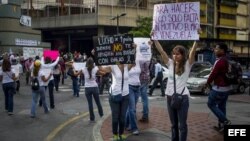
(117, 20)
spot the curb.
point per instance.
(96, 132)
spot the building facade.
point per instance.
(16, 31)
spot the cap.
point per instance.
(37, 63)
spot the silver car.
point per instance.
(197, 83)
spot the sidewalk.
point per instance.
(158, 129)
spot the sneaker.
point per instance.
(10, 113)
(115, 137)
(123, 137)
(227, 122)
(135, 132)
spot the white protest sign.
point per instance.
(79, 66)
(32, 52)
(176, 21)
(143, 49)
(15, 69)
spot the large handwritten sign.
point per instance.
(32, 52)
(114, 50)
(177, 21)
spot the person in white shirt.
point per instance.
(7, 76)
(46, 63)
(91, 87)
(178, 117)
(134, 92)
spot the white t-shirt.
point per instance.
(134, 76)
(40, 74)
(180, 80)
(116, 87)
(7, 76)
(90, 82)
(49, 66)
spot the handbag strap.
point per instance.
(175, 82)
(122, 78)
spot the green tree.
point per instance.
(143, 29)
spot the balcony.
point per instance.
(227, 36)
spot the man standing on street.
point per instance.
(221, 88)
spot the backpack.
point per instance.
(35, 84)
(232, 73)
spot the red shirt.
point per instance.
(218, 74)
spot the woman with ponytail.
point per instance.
(91, 87)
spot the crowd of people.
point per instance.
(129, 82)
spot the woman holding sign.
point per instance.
(182, 65)
(119, 96)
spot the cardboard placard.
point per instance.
(53, 54)
(176, 21)
(110, 50)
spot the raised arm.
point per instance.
(104, 69)
(164, 55)
(191, 57)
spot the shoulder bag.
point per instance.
(176, 98)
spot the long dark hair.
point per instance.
(90, 66)
(6, 66)
(181, 66)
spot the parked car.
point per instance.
(199, 66)
(197, 84)
(165, 77)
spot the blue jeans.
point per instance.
(179, 117)
(51, 93)
(9, 91)
(35, 95)
(134, 92)
(217, 104)
(118, 111)
(75, 86)
(89, 92)
(144, 97)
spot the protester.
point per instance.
(119, 87)
(91, 87)
(145, 80)
(105, 82)
(178, 117)
(134, 92)
(7, 76)
(28, 64)
(43, 82)
(74, 77)
(57, 74)
(220, 88)
(158, 78)
(46, 63)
